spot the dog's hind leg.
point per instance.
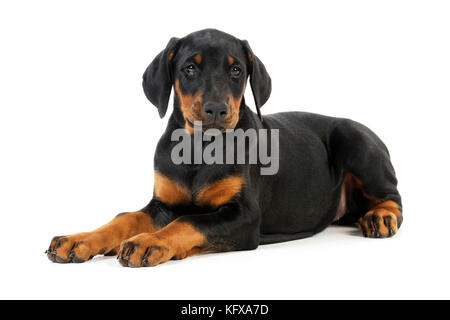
(369, 186)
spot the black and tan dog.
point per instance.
(330, 169)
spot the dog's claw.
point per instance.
(61, 260)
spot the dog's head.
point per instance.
(208, 70)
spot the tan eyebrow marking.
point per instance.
(198, 59)
(230, 60)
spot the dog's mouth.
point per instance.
(196, 118)
(206, 125)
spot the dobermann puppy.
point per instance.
(330, 169)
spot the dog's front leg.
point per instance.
(228, 228)
(80, 247)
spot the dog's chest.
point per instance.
(213, 193)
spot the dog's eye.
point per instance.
(190, 70)
(235, 72)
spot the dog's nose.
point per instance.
(215, 111)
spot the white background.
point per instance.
(77, 138)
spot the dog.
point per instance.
(331, 170)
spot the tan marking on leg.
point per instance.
(350, 183)
(391, 206)
(182, 237)
(177, 240)
(170, 191)
(82, 246)
(382, 217)
(220, 192)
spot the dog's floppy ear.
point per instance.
(157, 79)
(260, 81)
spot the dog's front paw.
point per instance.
(144, 250)
(378, 223)
(65, 249)
(76, 248)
